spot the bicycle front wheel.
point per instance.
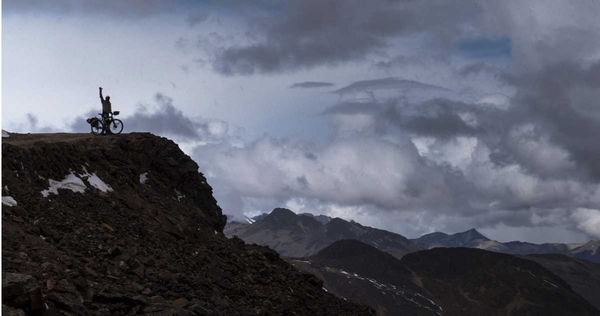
(115, 126)
(97, 127)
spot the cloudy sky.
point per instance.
(411, 116)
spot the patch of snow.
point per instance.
(250, 220)
(5, 134)
(324, 289)
(42, 237)
(430, 301)
(9, 201)
(179, 195)
(70, 182)
(550, 283)
(143, 178)
(97, 183)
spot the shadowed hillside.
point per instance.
(443, 281)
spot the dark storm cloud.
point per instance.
(352, 108)
(167, 120)
(311, 84)
(197, 17)
(310, 33)
(439, 117)
(563, 100)
(386, 83)
(402, 60)
(436, 118)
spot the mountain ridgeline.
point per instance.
(473, 239)
(125, 224)
(303, 235)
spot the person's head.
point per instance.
(107, 98)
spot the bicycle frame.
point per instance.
(106, 121)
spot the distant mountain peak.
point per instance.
(280, 217)
(282, 211)
(323, 219)
(469, 238)
(472, 234)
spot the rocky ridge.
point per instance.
(125, 225)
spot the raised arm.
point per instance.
(101, 97)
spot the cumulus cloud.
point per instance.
(588, 220)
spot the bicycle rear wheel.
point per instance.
(115, 126)
(97, 127)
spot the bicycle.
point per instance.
(99, 125)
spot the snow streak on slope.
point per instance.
(397, 291)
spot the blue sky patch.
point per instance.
(484, 47)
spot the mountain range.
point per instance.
(299, 235)
(473, 239)
(302, 239)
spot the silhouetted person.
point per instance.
(106, 107)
